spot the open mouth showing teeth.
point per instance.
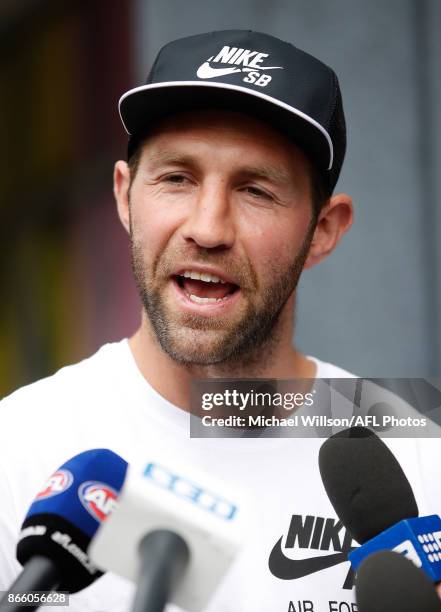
(204, 288)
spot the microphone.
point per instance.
(388, 582)
(62, 520)
(374, 500)
(174, 524)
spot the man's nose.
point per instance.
(210, 219)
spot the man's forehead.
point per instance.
(217, 119)
(183, 137)
(158, 157)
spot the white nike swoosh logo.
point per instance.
(207, 72)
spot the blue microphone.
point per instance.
(63, 519)
(418, 539)
(374, 500)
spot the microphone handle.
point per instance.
(38, 574)
(164, 557)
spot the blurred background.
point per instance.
(372, 308)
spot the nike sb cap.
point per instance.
(248, 72)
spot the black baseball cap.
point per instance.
(250, 72)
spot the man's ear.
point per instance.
(334, 220)
(121, 185)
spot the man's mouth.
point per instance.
(204, 287)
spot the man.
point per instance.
(236, 144)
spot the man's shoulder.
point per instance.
(76, 380)
(329, 370)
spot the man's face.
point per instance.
(221, 222)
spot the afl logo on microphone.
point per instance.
(98, 498)
(57, 483)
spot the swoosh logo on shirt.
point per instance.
(290, 569)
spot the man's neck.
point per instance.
(172, 380)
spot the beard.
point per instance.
(195, 340)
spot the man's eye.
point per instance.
(176, 179)
(258, 193)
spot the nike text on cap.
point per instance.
(252, 73)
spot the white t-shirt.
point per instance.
(105, 402)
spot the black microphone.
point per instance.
(373, 498)
(388, 582)
(164, 558)
(365, 483)
(59, 526)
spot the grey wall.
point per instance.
(373, 306)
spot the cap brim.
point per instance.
(142, 107)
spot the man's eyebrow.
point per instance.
(166, 157)
(271, 173)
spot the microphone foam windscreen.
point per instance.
(388, 582)
(67, 512)
(365, 483)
